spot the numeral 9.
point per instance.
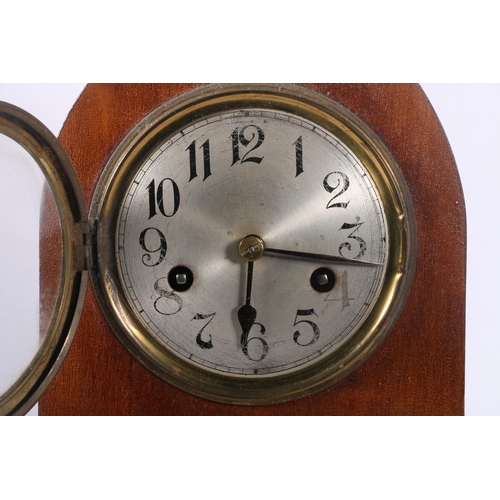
(145, 242)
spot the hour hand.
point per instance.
(251, 249)
(246, 313)
(246, 316)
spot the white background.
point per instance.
(222, 40)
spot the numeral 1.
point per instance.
(298, 157)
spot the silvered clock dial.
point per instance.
(253, 244)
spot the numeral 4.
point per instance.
(344, 292)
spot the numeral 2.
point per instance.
(340, 186)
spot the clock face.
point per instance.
(253, 246)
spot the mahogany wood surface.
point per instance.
(419, 368)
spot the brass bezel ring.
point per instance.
(214, 99)
(60, 175)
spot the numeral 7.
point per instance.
(203, 343)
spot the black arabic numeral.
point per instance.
(206, 160)
(203, 343)
(299, 165)
(340, 187)
(146, 244)
(245, 341)
(361, 241)
(168, 302)
(240, 137)
(314, 326)
(157, 197)
(236, 149)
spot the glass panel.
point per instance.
(25, 265)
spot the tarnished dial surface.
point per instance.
(250, 244)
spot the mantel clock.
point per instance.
(253, 249)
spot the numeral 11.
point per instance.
(192, 160)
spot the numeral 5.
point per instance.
(314, 326)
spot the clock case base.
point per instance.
(419, 368)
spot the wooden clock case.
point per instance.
(418, 369)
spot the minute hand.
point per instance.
(320, 256)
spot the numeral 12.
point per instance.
(239, 137)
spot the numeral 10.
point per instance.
(157, 197)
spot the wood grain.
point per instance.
(419, 368)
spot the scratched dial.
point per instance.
(251, 247)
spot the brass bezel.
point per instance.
(214, 99)
(61, 177)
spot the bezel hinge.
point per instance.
(87, 245)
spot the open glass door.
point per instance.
(42, 258)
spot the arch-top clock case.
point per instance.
(253, 249)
